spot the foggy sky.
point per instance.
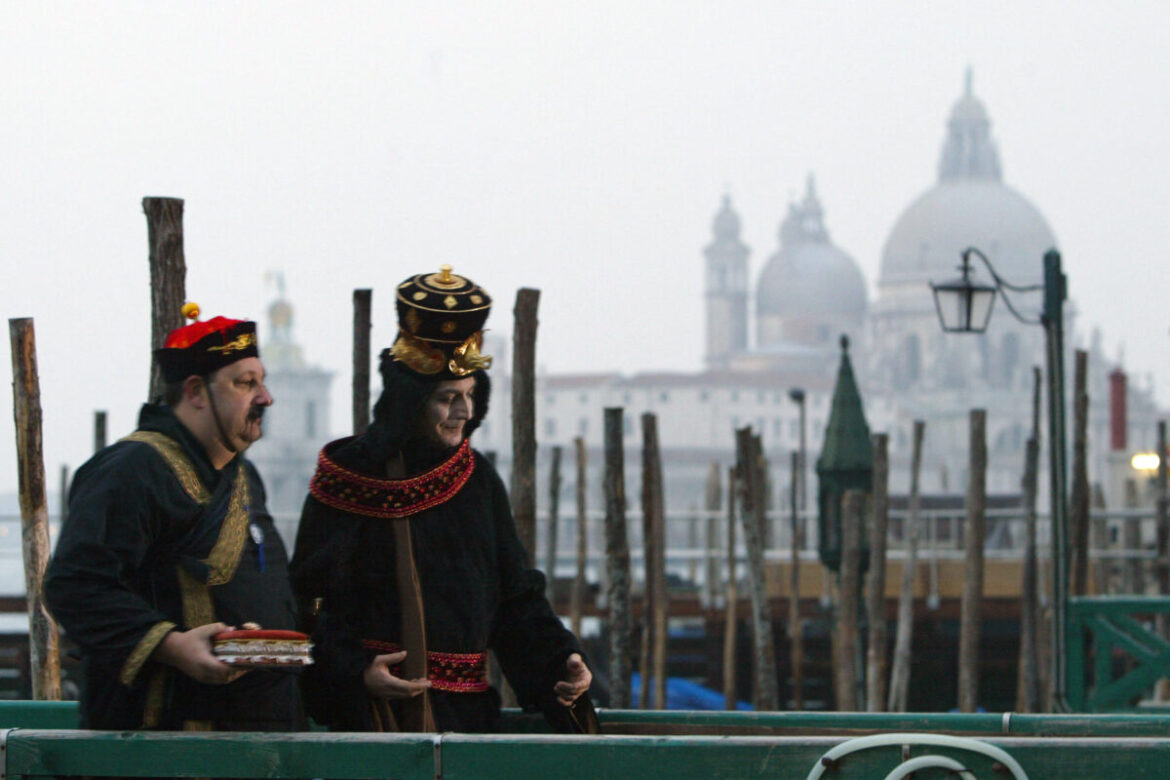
(581, 148)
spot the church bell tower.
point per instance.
(727, 289)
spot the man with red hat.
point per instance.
(407, 559)
(168, 543)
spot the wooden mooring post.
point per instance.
(765, 691)
(34, 513)
(1028, 686)
(795, 629)
(846, 673)
(523, 483)
(362, 301)
(653, 506)
(617, 557)
(63, 496)
(875, 583)
(975, 528)
(577, 600)
(99, 431)
(900, 674)
(554, 511)
(168, 275)
(711, 592)
(731, 622)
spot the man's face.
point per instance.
(447, 411)
(240, 400)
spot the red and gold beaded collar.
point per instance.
(349, 491)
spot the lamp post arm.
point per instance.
(1004, 285)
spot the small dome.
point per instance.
(813, 279)
(809, 277)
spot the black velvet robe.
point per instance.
(477, 590)
(113, 585)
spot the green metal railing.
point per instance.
(1127, 653)
(679, 745)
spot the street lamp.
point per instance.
(965, 307)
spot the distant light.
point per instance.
(1145, 461)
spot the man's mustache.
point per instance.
(256, 413)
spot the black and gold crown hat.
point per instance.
(205, 346)
(440, 324)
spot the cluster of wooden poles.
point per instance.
(746, 501)
(857, 685)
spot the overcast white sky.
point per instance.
(581, 148)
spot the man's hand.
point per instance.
(190, 653)
(575, 682)
(384, 685)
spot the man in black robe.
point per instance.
(407, 559)
(168, 542)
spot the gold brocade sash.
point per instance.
(225, 553)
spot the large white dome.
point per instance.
(958, 213)
(970, 206)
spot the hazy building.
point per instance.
(297, 424)
(807, 294)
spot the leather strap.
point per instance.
(417, 712)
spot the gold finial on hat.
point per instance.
(190, 310)
(445, 278)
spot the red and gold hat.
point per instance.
(204, 347)
(440, 325)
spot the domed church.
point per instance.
(969, 206)
(809, 292)
(784, 333)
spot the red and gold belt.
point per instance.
(451, 672)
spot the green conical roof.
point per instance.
(847, 446)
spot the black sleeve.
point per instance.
(529, 639)
(93, 582)
(325, 590)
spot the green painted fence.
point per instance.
(40, 753)
(1117, 635)
(686, 745)
(64, 715)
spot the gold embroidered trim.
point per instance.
(155, 692)
(417, 354)
(170, 451)
(225, 556)
(243, 341)
(143, 650)
(198, 725)
(197, 609)
(221, 563)
(233, 533)
(424, 358)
